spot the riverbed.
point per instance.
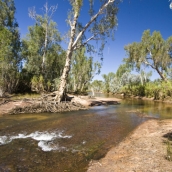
(69, 141)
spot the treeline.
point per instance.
(39, 63)
(36, 62)
(152, 52)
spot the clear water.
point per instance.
(64, 142)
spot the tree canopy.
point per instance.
(9, 48)
(44, 57)
(83, 69)
(153, 51)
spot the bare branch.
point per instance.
(46, 7)
(32, 13)
(49, 11)
(52, 10)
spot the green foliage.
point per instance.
(5, 41)
(33, 46)
(99, 27)
(152, 51)
(159, 90)
(102, 24)
(37, 84)
(76, 4)
(83, 70)
(97, 85)
(24, 82)
(40, 60)
(151, 90)
(49, 86)
(138, 90)
(56, 83)
(7, 11)
(123, 68)
(105, 25)
(10, 59)
(41, 53)
(107, 81)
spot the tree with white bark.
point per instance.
(46, 23)
(101, 25)
(44, 57)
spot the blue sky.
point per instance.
(134, 17)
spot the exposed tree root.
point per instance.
(47, 103)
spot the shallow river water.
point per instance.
(66, 142)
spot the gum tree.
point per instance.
(153, 51)
(49, 31)
(101, 25)
(42, 51)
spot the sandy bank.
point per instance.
(144, 150)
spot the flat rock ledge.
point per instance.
(144, 150)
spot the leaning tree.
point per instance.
(101, 25)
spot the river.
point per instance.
(66, 142)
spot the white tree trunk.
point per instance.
(64, 77)
(45, 47)
(73, 43)
(66, 69)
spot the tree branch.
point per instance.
(147, 63)
(91, 21)
(83, 44)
